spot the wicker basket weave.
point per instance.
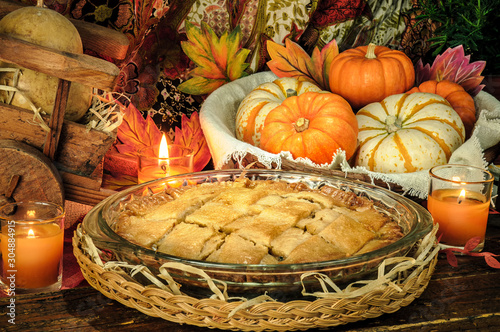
(325, 311)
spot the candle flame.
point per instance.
(163, 152)
(461, 197)
(31, 234)
(163, 155)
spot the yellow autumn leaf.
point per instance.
(218, 60)
(292, 61)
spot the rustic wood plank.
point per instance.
(56, 119)
(72, 156)
(81, 68)
(104, 41)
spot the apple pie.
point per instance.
(257, 222)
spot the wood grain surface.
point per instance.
(38, 177)
(81, 68)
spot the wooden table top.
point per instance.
(462, 298)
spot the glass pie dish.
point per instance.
(255, 279)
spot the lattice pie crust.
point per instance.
(257, 222)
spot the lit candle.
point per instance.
(459, 201)
(461, 214)
(31, 244)
(38, 252)
(157, 162)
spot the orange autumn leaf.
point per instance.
(136, 132)
(191, 135)
(218, 60)
(292, 61)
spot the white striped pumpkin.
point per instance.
(254, 108)
(407, 133)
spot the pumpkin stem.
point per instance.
(392, 124)
(301, 124)
(290, 93)
(370, 52)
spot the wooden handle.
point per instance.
(14, 180)
(81, 68)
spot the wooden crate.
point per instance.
(75, 151)
(79, 151)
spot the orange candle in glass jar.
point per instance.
(461, 214)
(37, 250)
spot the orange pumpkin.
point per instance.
(312, 125)
(254, 108)
(460, 100)
(368, 74)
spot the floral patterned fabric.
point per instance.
(156, 64)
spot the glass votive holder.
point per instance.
(459, 200)
(31, 246)
(152, 166)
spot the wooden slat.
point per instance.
(104, 41)
(81, 68)
(56, 119)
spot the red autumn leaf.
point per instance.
(472, 243)
(491, 261)
(452, 259)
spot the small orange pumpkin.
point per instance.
(312, 125)
(254, 108)
(368, 74)
(460, 100)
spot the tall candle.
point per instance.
(459, 218)
(38, 250)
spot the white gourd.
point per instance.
(408, 133)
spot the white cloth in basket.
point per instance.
(218, 117)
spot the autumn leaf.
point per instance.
(292, 61)
(218, 60)
(453, 65)
(135, 132)
(191, 135)
(470, 245)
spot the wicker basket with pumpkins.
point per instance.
(366, 113)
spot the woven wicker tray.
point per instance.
(406, 279)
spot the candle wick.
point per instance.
(459, 200)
